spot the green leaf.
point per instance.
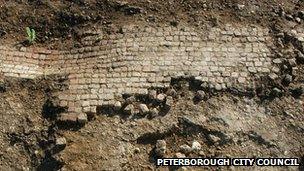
(28, 31)
(33, 35)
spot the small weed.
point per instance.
(31, 35)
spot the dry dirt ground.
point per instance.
(254, 123)
(58, 22)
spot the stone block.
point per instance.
(68, 117)
(82, 118)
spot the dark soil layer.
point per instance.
(58, 22)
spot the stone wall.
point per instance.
(138, 58)
(22, 63)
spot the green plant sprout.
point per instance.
(31, 35)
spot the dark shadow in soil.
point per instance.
(184, 129)
(259, 139)
(43, 140)
(109, 110)
(297, 92)
(2, 88)
(50, 164)
(51, 111)
(69, 126)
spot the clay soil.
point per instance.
(246, 125)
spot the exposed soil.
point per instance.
(245, 126)
(58, 23)
(233, 123)
(26, 132)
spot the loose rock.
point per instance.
(201, 153)
(61, 142)
(300, 57)
(169, 101)
(280, 34)
(294, 70)
(277, 61)
(161, 148)
(143, 108)
(185, 85)
(200, 95)
(205, 85)
(241, 80)
(82, 118)
(151, 18)
(154, 112)
(275, 69)
(288, 113)
(185, 149)
(287, 78)
(117, 105)
(292, 62)
(161, 97)
(276, 91)
(130, 99)
(171, 92)
(273, 76)
(129, 109)
(218, 87)
(214, 139)
(240, 6)
(301, 14)
(289, 17)
(152, 94)
(196, 146)
(137, 150)
(131, 10)
(179, 155)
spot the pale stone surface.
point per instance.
(196, 146)
(61, 141)
(143, 108)
(82, 118)
(161, 147)
(144, 57)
